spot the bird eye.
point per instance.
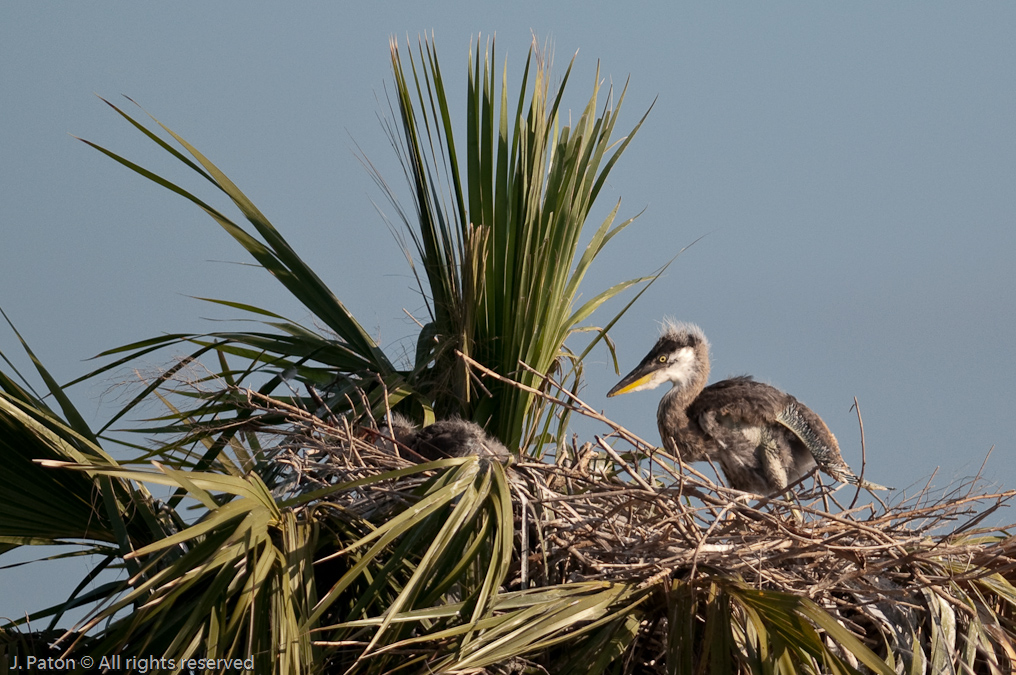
(661, 358)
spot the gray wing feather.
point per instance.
(826, 453)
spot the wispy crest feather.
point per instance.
(671, 327)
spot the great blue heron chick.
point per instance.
(451, 437)
(762, 438)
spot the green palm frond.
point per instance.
(498, 236)
(316, 359)
(236, 583)
(498, 242)
(40, 506)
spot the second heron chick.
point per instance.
(763, 438)
(450, 437)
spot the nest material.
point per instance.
(622, 510)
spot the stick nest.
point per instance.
(620, 510)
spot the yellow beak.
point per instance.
(629, 383)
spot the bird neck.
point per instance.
(672, 416)
(674, 404)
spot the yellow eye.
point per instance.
(661, 359)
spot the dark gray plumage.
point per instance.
(763, 438)
(452, 437)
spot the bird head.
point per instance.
(680, 356)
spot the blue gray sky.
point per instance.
(851, 165)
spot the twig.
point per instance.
(864, 455)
